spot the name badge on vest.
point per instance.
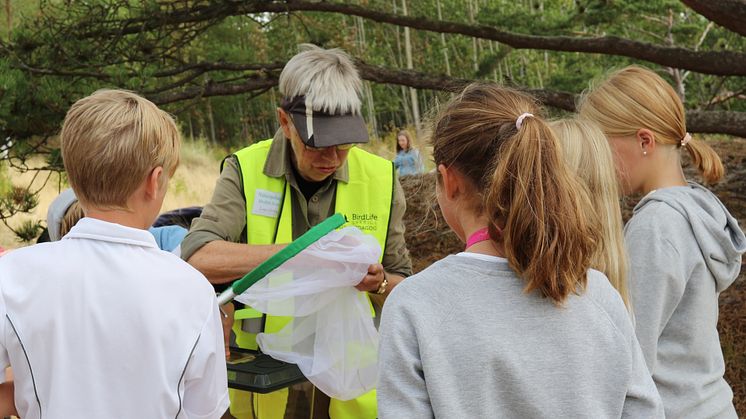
(266, 203)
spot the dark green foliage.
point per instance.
(28, 231)
(59, 52)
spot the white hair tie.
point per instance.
(519, 121)
(686, 139)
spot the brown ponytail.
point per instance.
(535, 204)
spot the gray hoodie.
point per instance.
(684, 250)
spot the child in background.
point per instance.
(586, 151)
(684, 246)
(408, 160)
(85, 327)
(517, 325)
(65, 211)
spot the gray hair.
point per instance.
(326, 77)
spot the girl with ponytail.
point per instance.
(683, 245)
(517, 325)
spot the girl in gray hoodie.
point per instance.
(684, 246)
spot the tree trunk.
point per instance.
(675, 72)
(412, 90)
(191, 126)
(475, 55)
(492, 52)
(367, 91)
(244, 123)
(730, 14)
(404, 96)
(9, 17)
(212, 120)
(443, 42)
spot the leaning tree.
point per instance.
(215, 64)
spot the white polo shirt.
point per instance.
(103, 324)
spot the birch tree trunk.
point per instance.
(409, 118)
(475, 55)
(367, 91)
(211, 119)
(412, 91)
(443, 41)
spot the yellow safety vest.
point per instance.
(365, 200)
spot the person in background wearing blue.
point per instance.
(65, 211)
(407, 160)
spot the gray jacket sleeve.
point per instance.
(396, 257)
(642, 400)
(401, 391)
(657, 282)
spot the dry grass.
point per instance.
(192, 184)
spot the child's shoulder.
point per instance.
(454, 272)
(607, 300)
(656, 217)
(439, 271)
(177, 270)
(30, 257)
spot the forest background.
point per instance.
(214, 66)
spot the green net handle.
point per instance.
(296, 246)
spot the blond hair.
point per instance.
(111, 140)
(586, 151)
(73, 214)
(535, 205)
(633, 98)
(326, 77)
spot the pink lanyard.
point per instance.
(480, 235)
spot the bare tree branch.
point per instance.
(713, 122)
(717, 122)
(205, 66)
(730, 14)
(709, 62)
(216, 89)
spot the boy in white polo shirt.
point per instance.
(103, 323)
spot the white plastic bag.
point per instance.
(331, 337)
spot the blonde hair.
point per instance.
(326, 77)
(535, 205)
(111, 140)
(73, 214)
(633, 98)
(587, 152)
